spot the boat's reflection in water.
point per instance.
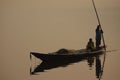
(55, 64)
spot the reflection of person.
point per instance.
(98, 36)
(90, 45)
(90, 61)
(98, 67)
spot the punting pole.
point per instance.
(99, 22)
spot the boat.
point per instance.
(67, 54)
(43, 66)
(71, 54)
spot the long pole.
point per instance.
(98, 22)
(102, 35)
(96, 12)
(102, 69)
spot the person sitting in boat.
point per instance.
(98, 36)
(90, 45)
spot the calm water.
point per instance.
(48, 25)
(18, 68)
(81, 69)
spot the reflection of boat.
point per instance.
(67, 54)
(54, 64)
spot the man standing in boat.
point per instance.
(98, 36)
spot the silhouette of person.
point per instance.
(98, 67)
(98, 36)
(90, 61)
(90, 45)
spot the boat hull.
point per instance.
(59, 57)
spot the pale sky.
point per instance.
(53, 22)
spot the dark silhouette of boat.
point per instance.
(47, 65)
(67, 54)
